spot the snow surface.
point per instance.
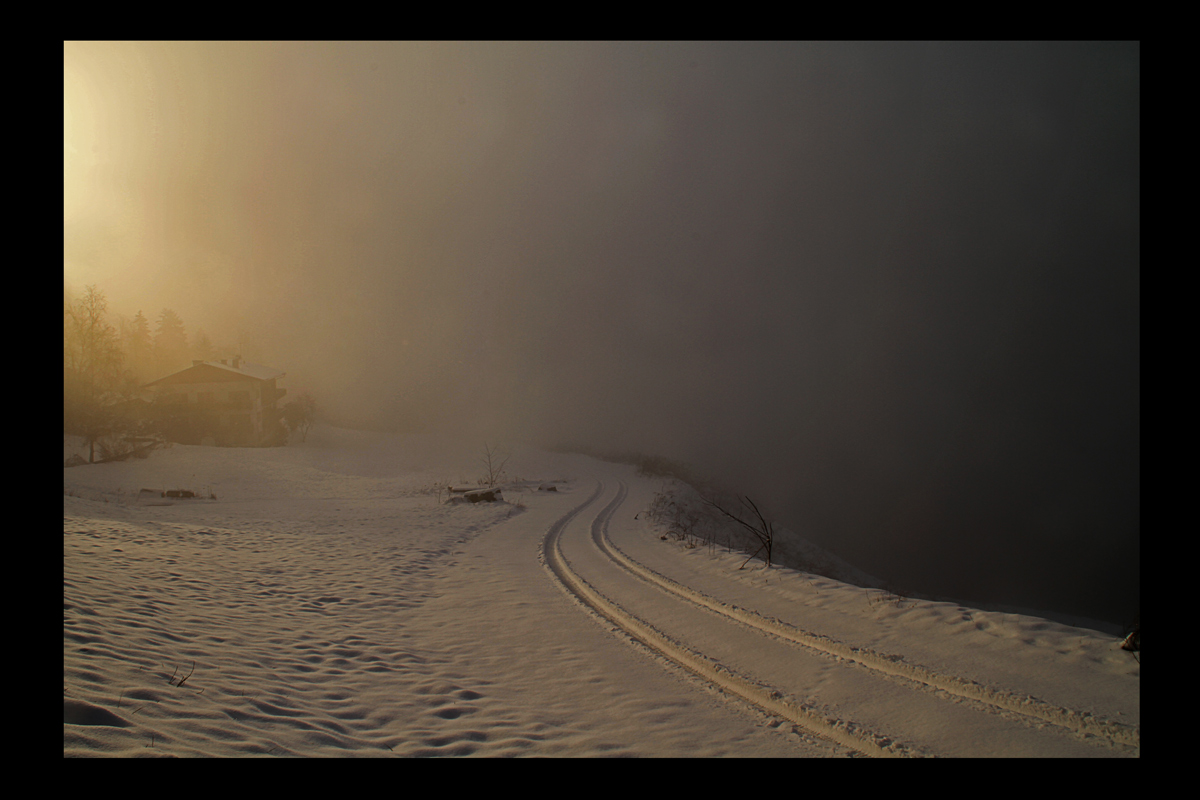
(328, 602)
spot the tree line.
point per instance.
(105, 366)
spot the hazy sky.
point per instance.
(889, 289)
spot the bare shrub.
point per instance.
(750, 518)
(674, 513)
(493, 462)
(299, 415)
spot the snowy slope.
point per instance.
(326, 603)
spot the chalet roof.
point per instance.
(243, 369)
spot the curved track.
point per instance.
(1107, 731)
(605, 585)
(763, 697)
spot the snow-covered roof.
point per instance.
(259, 371)
(256, 371)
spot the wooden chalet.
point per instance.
(227, 403)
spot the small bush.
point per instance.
(493, 462)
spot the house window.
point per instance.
(239, 399)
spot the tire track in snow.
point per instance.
(1107, 732)
(848, 734)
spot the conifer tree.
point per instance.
(203, 348)
(139, 348)
(170, 343)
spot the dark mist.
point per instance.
(890, 290)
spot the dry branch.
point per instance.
(762, 530)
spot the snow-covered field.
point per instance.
(327, 603)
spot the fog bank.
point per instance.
(889, 289)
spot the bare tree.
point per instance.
(493, 463)
(92, 362)
(749, 518)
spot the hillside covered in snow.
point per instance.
(324, 600)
